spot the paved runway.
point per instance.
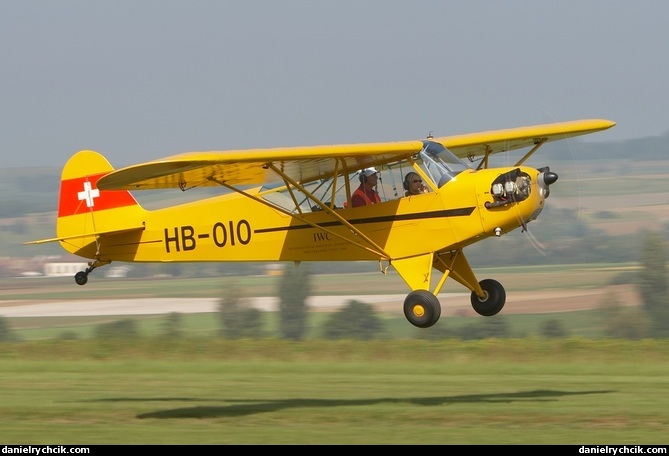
(156, 306)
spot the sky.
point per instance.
(139, 80)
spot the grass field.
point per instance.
(586, 324)
(197, 391)
(201, 389)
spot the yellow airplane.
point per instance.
(299, 204)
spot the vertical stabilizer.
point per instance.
(84, 211)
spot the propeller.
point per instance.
(545, 179)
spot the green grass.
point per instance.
(199, 391)
(582, 323)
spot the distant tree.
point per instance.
(554, 329)
(237, 319)
(294, 289)
(442, 330)
(36, 182)
(485, 328)
(621, 322)
(6, 332)
(68, 335)
(120, 329)
(357, 320)
(19, 227)
(628, 323)
(172, 325)
(653, 285)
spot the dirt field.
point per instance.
(528, 302)
(634, 213)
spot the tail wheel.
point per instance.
(422, 308)
(81, 278)
(495, 298)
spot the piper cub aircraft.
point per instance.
(296, 204)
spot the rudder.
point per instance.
(83, 209)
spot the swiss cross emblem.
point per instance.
(88, 194)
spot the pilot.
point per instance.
(413, 184)
(365, 193)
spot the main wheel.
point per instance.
(81, 278)
(495, 298)
(422, 308)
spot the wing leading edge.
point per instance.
(306, 164)
(496, 141)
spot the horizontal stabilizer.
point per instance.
(77, 236)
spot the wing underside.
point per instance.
(496, 141)
(307, 164)
(254, 166)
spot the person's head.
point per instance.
(369, 176)
(413, 183)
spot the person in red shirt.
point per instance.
(365, 193)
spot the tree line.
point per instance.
(359, 320)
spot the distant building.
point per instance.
(63, 269)
(118, 271)
(274, 269)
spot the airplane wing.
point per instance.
(306, 164)
(495, 141)
(252, 166)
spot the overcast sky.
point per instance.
(139, 80)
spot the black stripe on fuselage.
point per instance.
(461, 212)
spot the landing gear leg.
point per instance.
(81, 277)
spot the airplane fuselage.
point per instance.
(232, 227)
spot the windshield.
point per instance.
(441, 164)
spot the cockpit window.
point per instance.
(290, 200)
(441, 164)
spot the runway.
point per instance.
(519, 302)
(157, 306)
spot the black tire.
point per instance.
(494, 300)
(81, 278)
(422, 308)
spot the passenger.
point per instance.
(413, 184)
(365, 193)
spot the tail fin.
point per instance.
(85, 213)
(79, 194)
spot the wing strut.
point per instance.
(455, 265)
(537, 145)
(484, 162)
(488, 152)
(375, 249)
